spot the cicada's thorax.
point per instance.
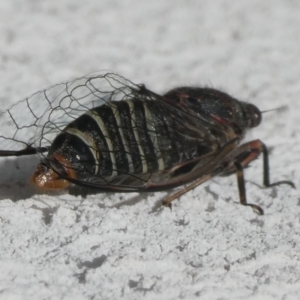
(124, 137)
(233, 117)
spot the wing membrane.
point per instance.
(37, 119)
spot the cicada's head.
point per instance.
(253, 115)
(53, 175)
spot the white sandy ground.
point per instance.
(117, 246)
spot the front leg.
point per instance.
(240, 158)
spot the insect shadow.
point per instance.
(15, 184)
(15, 178)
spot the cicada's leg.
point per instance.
(167, 201)
(241, 157)
(235, 162)
(267, 170)
(246, 153)
(26, 151)
(242, 190)
(204, 173)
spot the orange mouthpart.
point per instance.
(46, 178)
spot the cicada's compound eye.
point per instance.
(254, 115)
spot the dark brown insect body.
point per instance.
(107, 133)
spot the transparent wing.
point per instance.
(35, 121)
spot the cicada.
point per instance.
(102, 131)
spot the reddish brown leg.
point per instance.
(246, 154)
(241, 157)
(167, 201)
(235, 162)
(242, 190)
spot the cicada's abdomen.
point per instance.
(120, 138)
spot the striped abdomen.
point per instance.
(124, 137)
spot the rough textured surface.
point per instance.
(115, 246)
